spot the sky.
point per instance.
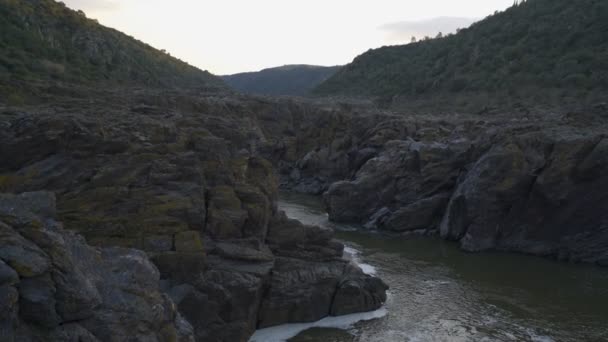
(231, 36)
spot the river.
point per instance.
(439, 293)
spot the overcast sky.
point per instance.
(230, 36)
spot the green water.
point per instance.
(439, 293)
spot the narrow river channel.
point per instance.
(439, 293)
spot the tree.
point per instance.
(413, 40)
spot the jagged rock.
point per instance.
(530, 184)
(37, 301)
(23, 256)
(188, 242)
(500, 178)
(82, 293)
(422, 214)
(224, 306)
(181, 267)
(528, 191)
(244, 251)
(406, 172)
(290, 238)
(226, 216)
(358, 292)
(258, 208)
(306, 291)
(300, 291)
(8, 276)
(164, 172)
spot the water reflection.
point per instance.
(439, 293)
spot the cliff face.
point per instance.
(177, 176)
(55, 287)
(533, 183)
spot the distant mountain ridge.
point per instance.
(43, 41)
(296, 80)
(533, 46)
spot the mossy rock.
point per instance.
(226, 224)
(188, 242)
(10, 182)
(107, 241)
(163, 225)
(224, 197)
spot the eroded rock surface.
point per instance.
(533, 183)
(55, 287)
(185, 179)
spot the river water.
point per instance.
(439, 293)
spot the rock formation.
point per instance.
(533, 183)
(55, 287)
(181, 177)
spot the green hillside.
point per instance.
(43, 40)
(286, 80)
(533, 46)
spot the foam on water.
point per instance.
(282, 333)
(354, 255)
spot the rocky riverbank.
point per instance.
(180, 177)
(192, 181)
(532, 182)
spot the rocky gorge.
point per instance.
(172, 191)
(139, 195)
(533, 182)
(185, 186)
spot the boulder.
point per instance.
(307, 291)
(81, 292)
(358, 292)
(300, 291)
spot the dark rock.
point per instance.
(240, 251)
(508, 178)
(307, 291)
(406, 172)
(378, 218)
(23, 256)
(423, 214)
(290, 238)
(181, 267)
(226, 217)
(82, 293)
(37, 301)
(300, 291)
(188, 242)
(163, 171)
(358, 293)
(8, 276)
(500, 178)
(224, 306)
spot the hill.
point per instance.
(527, 50)
(285, 80)
(43, 41)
